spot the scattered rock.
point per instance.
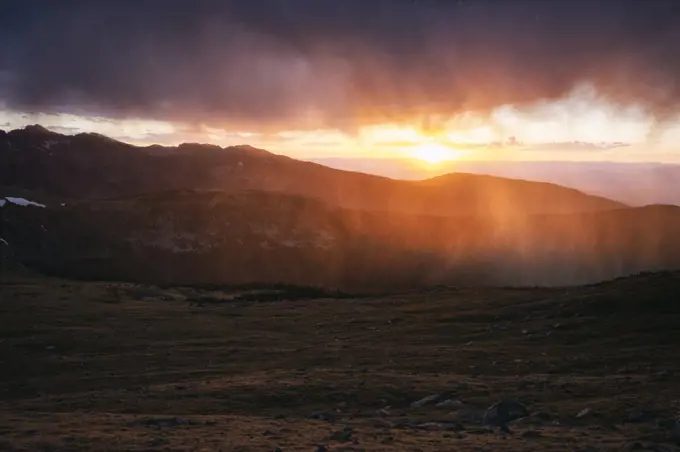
(441, 425)
(501, 413)
(450, 403)
(584, 412)
(383, 411)
(424, 401)
(430, 426)
(322, 416)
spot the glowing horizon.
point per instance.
(582, 126)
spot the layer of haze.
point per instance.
(485, 79)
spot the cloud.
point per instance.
(513, 144)
(574, 146)
(275, 65)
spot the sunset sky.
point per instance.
(474, 79)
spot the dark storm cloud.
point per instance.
(330, 62)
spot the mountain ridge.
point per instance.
(90, 167)
(655, 182)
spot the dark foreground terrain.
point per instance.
(110, 366)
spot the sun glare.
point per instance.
(433, 153)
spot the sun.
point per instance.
(433, 152)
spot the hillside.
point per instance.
(90, 166)
(655, 183)
(201, 214)
(104, 367)
(253, 236)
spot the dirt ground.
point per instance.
(117, 367)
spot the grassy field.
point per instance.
(121, 367)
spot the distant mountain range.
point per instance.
(89, 166)
(636, 184)
(203, 214)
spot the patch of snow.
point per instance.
(21, 202)
(4, 241)
(2, 202)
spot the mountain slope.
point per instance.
(89, 166)
(252, 236)
(655, 183)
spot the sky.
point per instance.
(585, 80)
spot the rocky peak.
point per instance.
(248, 149)
(37, 129)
